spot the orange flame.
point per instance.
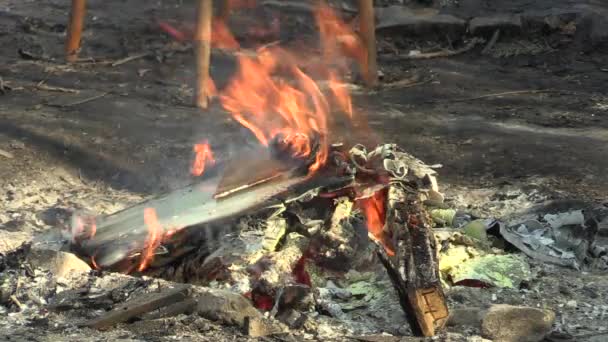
(375, 211)
(153, 240)
(338, 39)
(203, 156)
(271, 96)
(221, 37)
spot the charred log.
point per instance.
(414, 268)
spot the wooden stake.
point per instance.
(367, 30)
(203, 51)
(72, 43)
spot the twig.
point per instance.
(88, 99)
(438, 54)
(491, 43)
(130, 58)
(516, 92)
(17, 302)
(42, 86)
(405, 83)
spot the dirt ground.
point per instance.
(134, 139)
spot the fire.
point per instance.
(272, 97)
(203, 156)
(375, 211)
(155, 233)
(338, 39)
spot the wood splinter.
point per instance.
(74, 32)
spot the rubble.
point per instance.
(566, 239)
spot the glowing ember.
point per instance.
(374, 211)
(153, 240)
(203, 156)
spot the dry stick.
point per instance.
(17, 302)
(516, 92)
(129, 59)
(406, 83)
(491, 43)
(445, 53)
(72, 43)
(367, 28)
(203, 51)
(42, 86)
(83, 101)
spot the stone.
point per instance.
(60, 264)
(507, 323)
(225, 306)
(10, 241)
(486, 26)
(571, 304)
(260, 327)
(465, 317)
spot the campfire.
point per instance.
(299, 207)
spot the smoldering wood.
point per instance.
(119, 234)
(414, 269)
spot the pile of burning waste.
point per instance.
(281, 236)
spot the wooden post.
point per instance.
(74, 31)
(203, 51)
(367, 30)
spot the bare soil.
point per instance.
(135, 141)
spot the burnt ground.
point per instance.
(135, 140)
